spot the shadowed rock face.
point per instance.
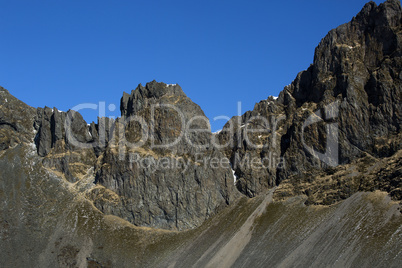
(151, 166)
(16, 121)
(353, 90)
(156, 172)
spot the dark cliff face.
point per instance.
(345, 106)
(156, 171)
(155, 166)
(16, 121)
(359, 64)
(151, 167)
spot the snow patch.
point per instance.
(171, 85)
(234, 176)
(217, 132)
(32, 146)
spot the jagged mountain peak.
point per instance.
(156, 90)
(150, 93)
(385, 13)
(358, 48)
(356, 74)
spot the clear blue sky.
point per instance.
(65, 52)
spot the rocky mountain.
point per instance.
(153, 173)
(345, 106)
(311, 178)
(145, 170)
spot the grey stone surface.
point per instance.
(354, 84)
(156, 185)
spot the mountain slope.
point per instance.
(48, 222)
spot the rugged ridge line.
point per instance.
(355, 82)
(165, 187)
